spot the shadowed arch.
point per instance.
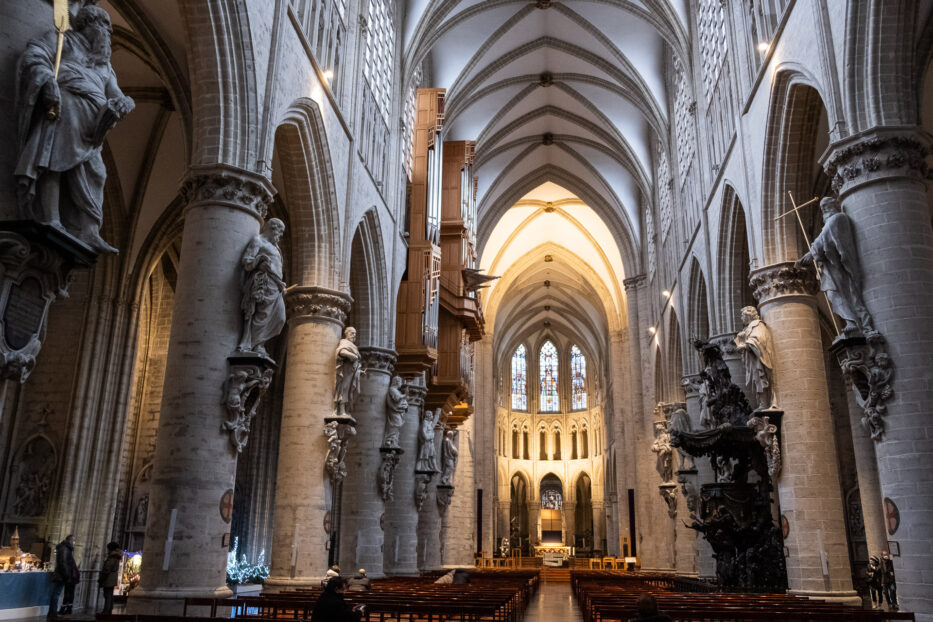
(305, 177)
(369, 312)
(733, 289)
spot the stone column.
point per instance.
(866, 470)
(569, 522)
(879, 175)
(429, 527)
(302, 489)
(599, 525)
(400, 551)
(811, 499)
(361, 534)
(459, 521)
(534, 523)
(503, 528)
(191, 499)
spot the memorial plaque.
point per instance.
(22, 317)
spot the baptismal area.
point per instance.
(466, 310)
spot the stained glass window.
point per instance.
(578, 379)
(519, 380)
(547, 368)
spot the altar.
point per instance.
(24, 594)
(554, 555)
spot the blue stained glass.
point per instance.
(519, 380)
(547, 367)
(578, 379)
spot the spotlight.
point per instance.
(763, 46)
(652, 330)
(666, 294)
(329, 75)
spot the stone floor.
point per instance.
(554, 602)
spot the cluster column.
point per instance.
(811, 499)
(193, 473)
(361, 520)
(302, 489)
(401, 515)
(879, 175)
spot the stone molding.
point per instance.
(634, 281)
(379, 360)
(877, 153)
(228, 186)
(317, 304)
(782, 279)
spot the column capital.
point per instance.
(781, 280)
(229, 186)
(317, 304)
(878, 153)
(632, 282)
(416, 390)
(378, 360)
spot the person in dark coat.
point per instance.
(890, 584)
(359, 582)
(648, 610)
(65, 577)
(875, 582)
(331, 607)
(108, 575)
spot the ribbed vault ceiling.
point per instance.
(566, 101)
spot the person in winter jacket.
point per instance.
(648, 610)
(875, 581)
(331, 607)
(65, 577)
(108, 575)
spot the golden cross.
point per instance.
(803, 230)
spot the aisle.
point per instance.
(554, 602)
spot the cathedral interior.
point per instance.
(642, 287)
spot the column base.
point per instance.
(278, 584)
(843, 598)
(170, 601)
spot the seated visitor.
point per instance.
(461, 576)
(358, 582)
(447, 578)
(648, 610)
(333, 571)
(331, 607)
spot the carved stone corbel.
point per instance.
(421, 488)
(669, 494)
(35, 268)
(767, 435)
(867, 366)
(444, 495)
(386, 476)
(249, 377)
(338, 433)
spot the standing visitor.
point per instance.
(108, 575)
(890, 584)
(875, 582)
(65, 577)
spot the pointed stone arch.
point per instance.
(368, 280)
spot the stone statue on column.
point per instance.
(396, 408)
(427, 452)
(662, 447)
(834, 253)
(449, 457)
(349, 370)
(754, 343)
(680, 422)
(63, 122)
(263, 289)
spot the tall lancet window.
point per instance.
(577, 379)
(519, 380)
(547, 368)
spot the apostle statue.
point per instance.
(427, 452)
(396, 407)
(754, 342)
(834, 253)
(449, 454)
(262, 304)
(348, 374)
(62, 125)
(680, 422)
(662, 447)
